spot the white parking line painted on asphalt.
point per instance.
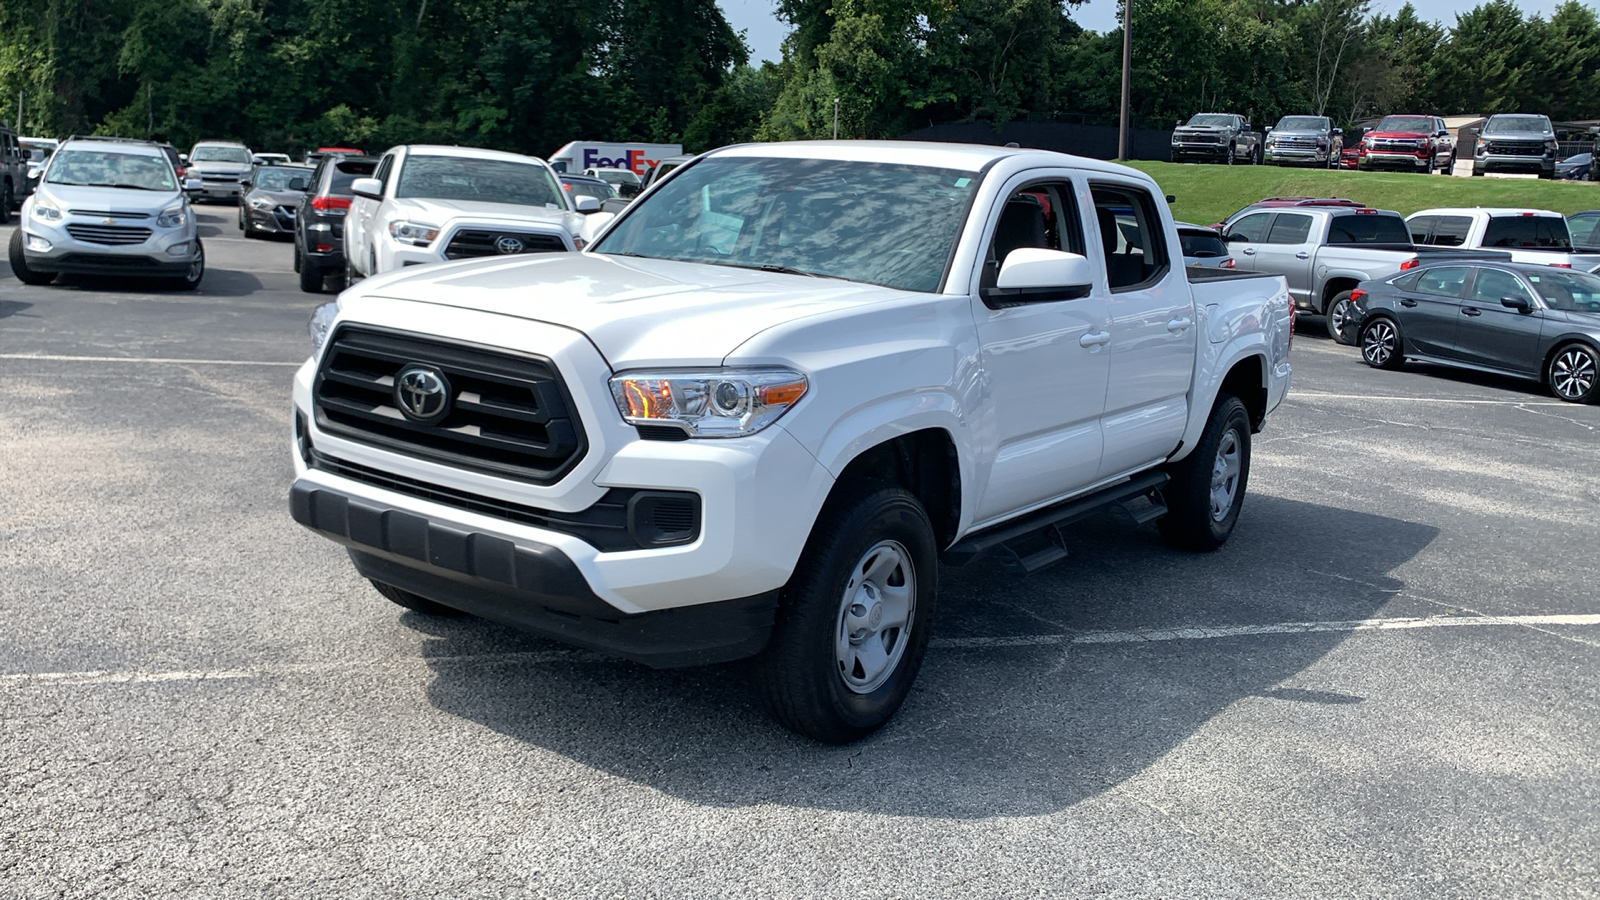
(147, 359)
(1293, 395)
(1190, 633)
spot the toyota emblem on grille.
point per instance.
(508, 245)
(422, 393)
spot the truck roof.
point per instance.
(1491, 211)
(968, 157)
(467, 153)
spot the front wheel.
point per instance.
(19, 263)
(1338, 314)
(190, 280)
(1207, 487)
(1233, 154)
(854, 619)
(1574, 373)
(1382, 346)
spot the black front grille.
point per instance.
(205, 177)
(1200, 138)
(1516, 148)
(108, 234)
(509, 414)
(1297, 143)
(622, 519)
(473, 242)
(105, 261)
(284, 216)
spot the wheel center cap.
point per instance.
(875, 617)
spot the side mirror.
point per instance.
(193, 183)
(1179, 124)
(1520, 304)
(1245, 126)
(299, 184)
(1264, 133)
(1171, 199)
(586, 205)
(183, 158)
(1037, 275)
(1338, 131)
(371, 188)
(628, 189)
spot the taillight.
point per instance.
(1290, 345)
(1562, 265)
(329, 204)
(1357, 294)
(1409, 264)
(1227, 264)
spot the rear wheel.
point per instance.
(1207, 487)
(1574, 374)
(311, 276)
(854, 618)
(7, 197)
(1382, 346)
(19, 263)
(414, 602)
(1338, 314)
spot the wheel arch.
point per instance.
(1247, 375)
(1335, 285)
(1562, 343)
(924, 462)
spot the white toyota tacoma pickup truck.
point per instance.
(778, 390)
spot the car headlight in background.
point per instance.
(172, 217)
(44, 210)
(413, 233)
(321, 323)
(714, 403)
(262, 203)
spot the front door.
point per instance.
(1287, 251)
(1045, 363)
(1491, 334)
(1153, 329)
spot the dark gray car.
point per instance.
(1528, 321)
(272, 197)
(1304, 141)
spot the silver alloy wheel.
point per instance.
(1225, 474)
(197, 268)
(1338, 317)
(875, 613)
(1572, 373)
(1378, 342)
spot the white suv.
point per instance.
(108, 206)
(435, 204)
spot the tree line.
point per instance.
(529, 75)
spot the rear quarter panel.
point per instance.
(1240, 319)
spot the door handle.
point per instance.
(1249, 251)
(1469, 311)
(1408, 303)
(1179, 325)
(1095, 339)
(1302, 255)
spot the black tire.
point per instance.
(1233, 153)
(802, 679)
(1477, 172)
(297, 253)
(311, 279)
(1573, 374)
(19, 263)
(1451, 168)
(1338, 318)
(1383, 345)
(7, 197)
(1196, 518)
(415, 602)
(197, 271)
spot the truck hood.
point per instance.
(1399, 135)
(219, 167)
(637, 312)
(441, 212)
(1202, 129)
(1518, 136)
(100, 199)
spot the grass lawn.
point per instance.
(1208, 193)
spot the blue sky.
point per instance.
(764, 33)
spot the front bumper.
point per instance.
(759, 497)
(1493, 163)
(1201, 151)
(1286, 156)
(279, 220)
(165, 253)
(218, 190)
(1377, 159)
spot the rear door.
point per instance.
(1152, 335)
(1291, 242)
(1491, 334)
(1429, 309)
(1244, 238)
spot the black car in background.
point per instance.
(587, 186)
(319, 225)
(271, 201)
(1520, 319)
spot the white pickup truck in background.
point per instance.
(753, 417)
(1536, 236)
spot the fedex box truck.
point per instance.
(637, 158)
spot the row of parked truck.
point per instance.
(1512, 143)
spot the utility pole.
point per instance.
(20, 95)
(150, 111)
(836, 118)
(1127, 56)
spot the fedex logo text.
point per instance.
(632, 160)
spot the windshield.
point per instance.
(1304, 123)
(220, 154)
(1211, 120)
(103, 168)
(616, 176)
(277, 179)
(1410, 124)
(1367, 228)
(482, 180)
(590, 189)
(1201, 244)
(1571, 291)
(1528, 233)
(1504, 124)
(880, 223)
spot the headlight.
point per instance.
(321, 323)
(413, 233)
(172, 217)
(714, 403)
(44, 210)
(261, 203)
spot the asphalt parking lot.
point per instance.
(1385, 686)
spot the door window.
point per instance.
(1043, 215)
(1450, 231)
(1289, 228)
(1445, 281)
(1585, 229)
(1131, 236)
(1250, 229)
(383, 170)
(1492, 284)
(1420, 226)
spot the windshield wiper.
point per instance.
(771, 267)
(135, 187)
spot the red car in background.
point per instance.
(1409, 144)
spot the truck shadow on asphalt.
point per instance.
(1020, 725)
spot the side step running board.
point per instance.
(1030, 543)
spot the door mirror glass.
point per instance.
(370, 188)
(1034, 268)
(586, 205)
(1338, 131)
